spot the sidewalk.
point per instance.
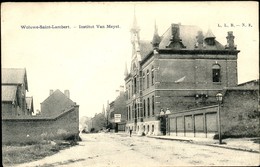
(242, 144)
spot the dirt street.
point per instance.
(105, 149)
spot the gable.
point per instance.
(57, 102)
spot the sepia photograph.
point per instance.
(130, 84)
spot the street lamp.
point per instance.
(219, 97)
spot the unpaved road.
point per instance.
(105, 149)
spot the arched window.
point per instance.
(216, 73)
(135, 85)
(148, 107)
(135, 112)
(147, 78)
(130, 112)
(143, 80)
(152, 105)
(129, 92)
(152, 75)
(132, 87)
(144, 108)
(138, 113)
(127, 109)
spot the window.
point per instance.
(129, 92)
(138, 113)
(135, 110)
(130, 113)
(152, 105)
(147, 78)
(144, 108)
(148, 107)
(135, 85)
(127, 114)
(143, 80)
(216, 73)
(132, 88)
(141, 111)
(152, 71)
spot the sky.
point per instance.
(90, 62)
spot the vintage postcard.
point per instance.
(130, 83)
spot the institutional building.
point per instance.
(181, 70)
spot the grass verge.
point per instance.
(17, 154)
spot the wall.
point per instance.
(198, 122)
(239, 114)
(38, 128)
(240, 106)
(197, 72)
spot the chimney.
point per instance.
(51, 91)
(230, 41)
(175, 33)
(200, 39)
(67, 93)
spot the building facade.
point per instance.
(180, 70)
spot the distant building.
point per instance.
(118, 107)
(14, 87)
(56, 103)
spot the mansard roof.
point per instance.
(145, 48)
(188, 35)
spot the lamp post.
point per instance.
(219, 97)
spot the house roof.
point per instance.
(188, 35)
(14, 76)
(145, 48)
(9, 93)
(56, 102)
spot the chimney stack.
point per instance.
(51, 91)
(67, 93)
(230, 41)
(175, 33)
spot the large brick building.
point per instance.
(180, 70)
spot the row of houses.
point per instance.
(173, 81)
(59, 116)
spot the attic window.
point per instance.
(210, 41)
